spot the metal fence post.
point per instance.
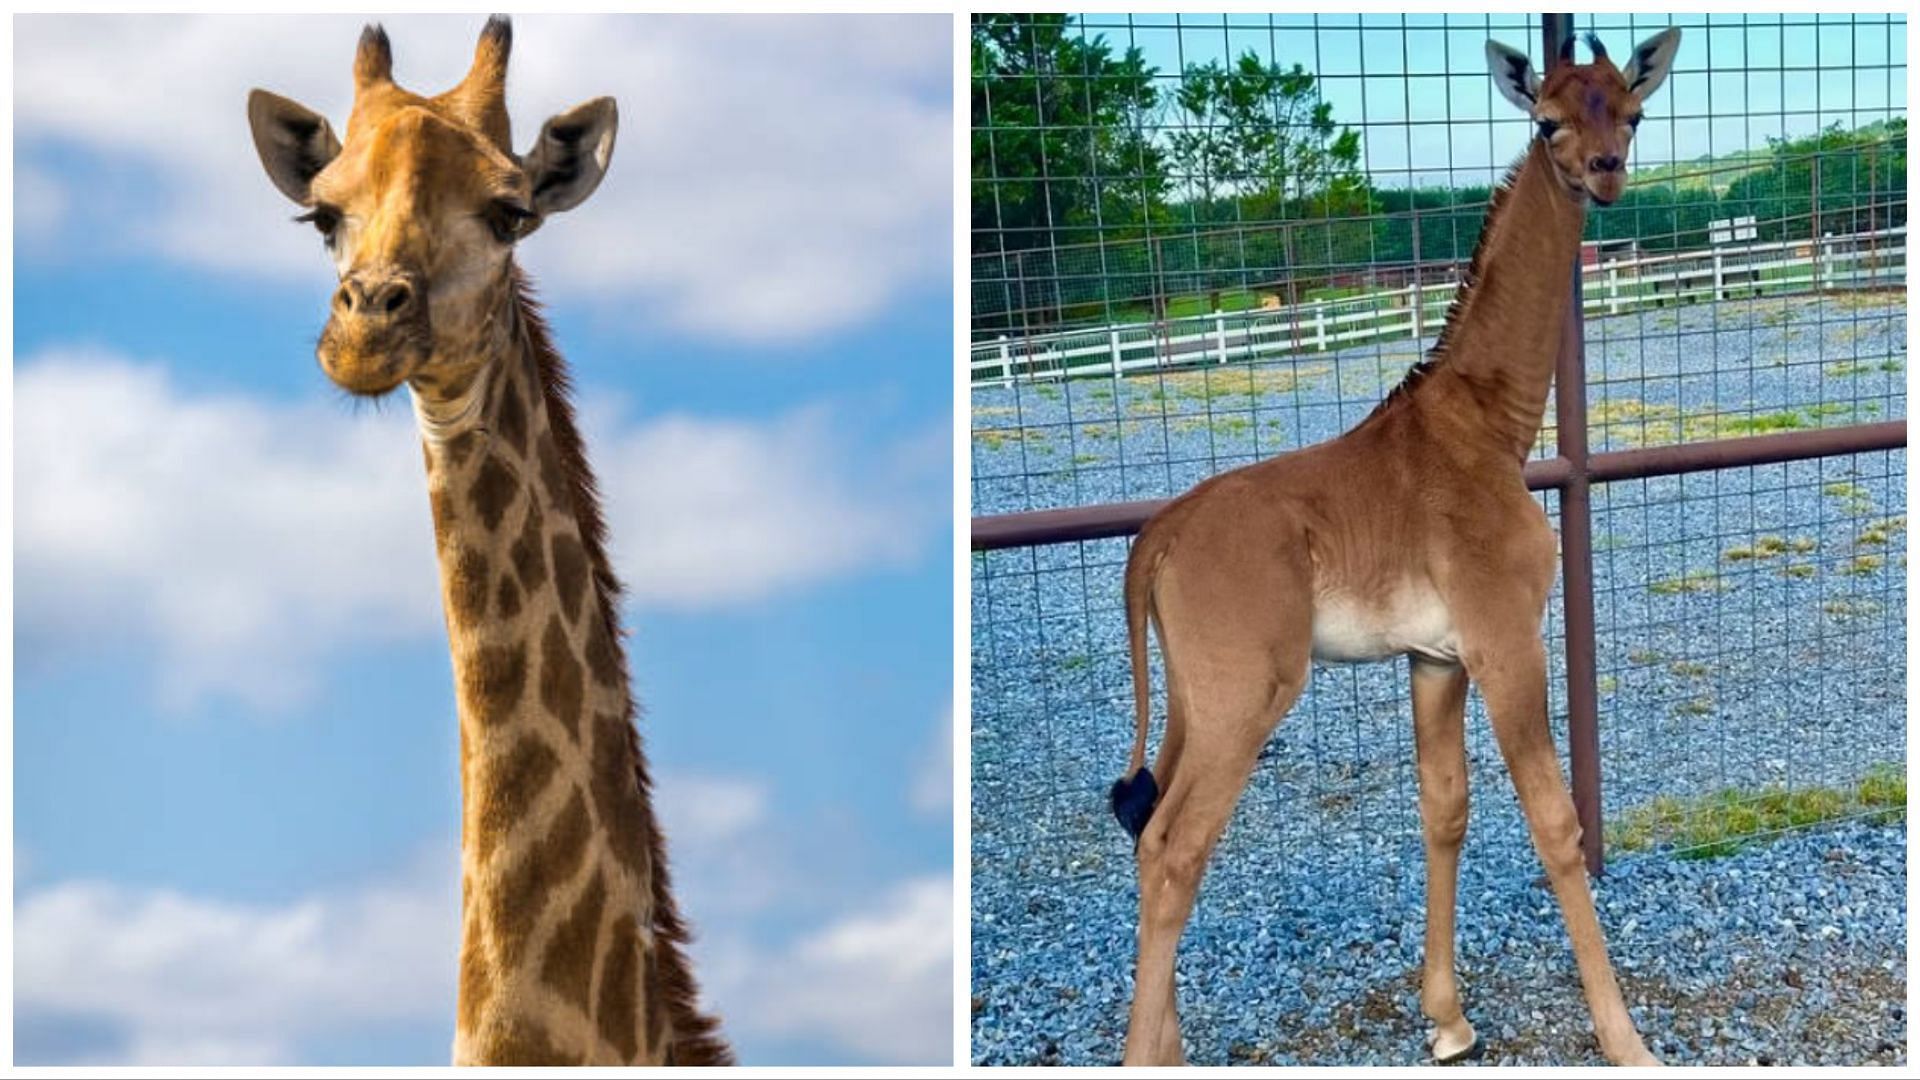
(1576, 544)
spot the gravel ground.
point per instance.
(1788, 952)
(1787, 668)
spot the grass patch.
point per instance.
(1694, 581)
(1694, 706)
(1846, 368)
(1632, 422)
(1844, 608)
(1691, 669)
(1644, 657)
(1722, 823)
(1798, 570)
(1208, 385)
(996, 438)
(1767, 547)
(1862, 565)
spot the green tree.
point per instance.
(1257, 132)
(1859, 177)
(1061, 135)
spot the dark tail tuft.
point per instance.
(1134, 799)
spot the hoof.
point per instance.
(1448, 1052)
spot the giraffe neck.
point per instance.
(570, 945)
(1495, 360)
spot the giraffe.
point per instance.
(1411, 534)
(572, 949)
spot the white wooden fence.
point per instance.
(1855, 261)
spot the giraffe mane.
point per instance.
(695, 1036)
(1463, 296)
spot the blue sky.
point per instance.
(236, 794)
(1405, 75)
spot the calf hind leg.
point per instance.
(1439, 731)
(1221, 739)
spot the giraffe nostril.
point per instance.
(344, 299)
(1608, 163)
(399, 295)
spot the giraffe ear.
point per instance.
(570, 158)
(294, 142)
(1513, 75)
(1652, 61)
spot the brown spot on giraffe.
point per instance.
(493, 680)
(511, 418)
(529, 552)
(568, 966)
(619, 986)
(602, 660)
(553, 478)
(507, 598)
(467, 585)
(493, 491)
(616, 798)
(569, 573)
(461, 447)
(561, 682)
(508, 787)
(515, 906)
(656, 1018)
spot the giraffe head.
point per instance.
(420, 209)
(1586, 113)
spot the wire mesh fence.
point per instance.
(1170, 222)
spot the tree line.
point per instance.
(1099, 183)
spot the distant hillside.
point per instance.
(1717, 172)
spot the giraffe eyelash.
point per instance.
(324, 218)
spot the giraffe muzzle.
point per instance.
(379, 333)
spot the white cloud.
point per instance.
(248, 540)
(243, 538)
(877, 981)
(705, 811)
(932, 792)
(704, 512)
(205, 982)
(775, 177)
(188, 980)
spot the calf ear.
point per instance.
(1651, 63)
(570, 158)
(294, 143)
(1513, 74)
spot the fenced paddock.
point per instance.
(1729, 483)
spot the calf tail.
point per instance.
(1135, 794)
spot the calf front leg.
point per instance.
(1512, 673)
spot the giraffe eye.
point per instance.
(324, 218)
(506, 217)
(1548, 127)
(1634, 121)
